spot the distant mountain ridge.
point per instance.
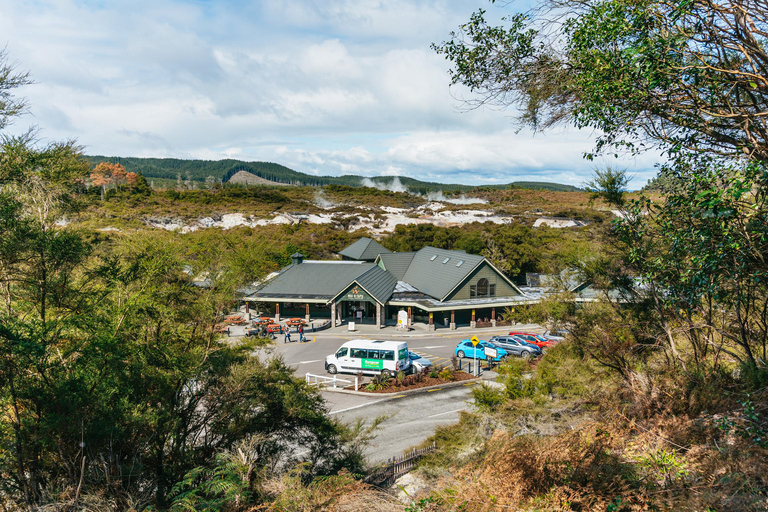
(199, 170)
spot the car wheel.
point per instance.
(332, 369)
(386, 374)
(460, 354)
(526, 355)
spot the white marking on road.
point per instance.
(307, 362)
(358, 406)
(442, 413)
(434, 346)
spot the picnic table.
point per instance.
(235, 319)
(293, 322)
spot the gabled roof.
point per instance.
(396, 263)
(313, 280)
(364, 249)
(377, 282)
(437, 272)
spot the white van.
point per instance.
(372, 357)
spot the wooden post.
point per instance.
(453, 321)
(247, 309)
(410, 313)
(472, 322)
(431, 322)
(306, 318)
(333, 314)
(493, 317)
(277, 311)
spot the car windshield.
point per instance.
(541, 338)
(414, 355)
(487, 344)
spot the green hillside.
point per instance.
(199, 170)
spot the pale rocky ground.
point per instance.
(376, 220)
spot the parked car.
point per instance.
(516, 346)
(419, 363)
(556, 335)
(466, 349)
(536, 339)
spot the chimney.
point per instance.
(297, 258)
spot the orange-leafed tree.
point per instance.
(107, 174)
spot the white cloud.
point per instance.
(334, 87)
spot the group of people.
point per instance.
(300, 330)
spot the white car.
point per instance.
(419, 363)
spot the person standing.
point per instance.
(301, 332)
(287, 335)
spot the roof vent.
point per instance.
(433, 258)
(446, 260)
(460, 263)
(297, 258)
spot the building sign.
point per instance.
(356, 293)
(373, 364)
(402, 319)
(490, 352)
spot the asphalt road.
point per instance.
(410, 419)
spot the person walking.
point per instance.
(287, 338)
(301, 332)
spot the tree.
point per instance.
(108, 174)
(610, 185)
(684, 76)
(10, 106)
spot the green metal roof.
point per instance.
(364, 249)
(396, 263)
(378, 283)
(314, 279)
(436, 272)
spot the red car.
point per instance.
(535, 339)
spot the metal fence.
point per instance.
(322, 380)
(396, 467)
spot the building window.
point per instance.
(472, 291)
(482, 288)
(492, 290)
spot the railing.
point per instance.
(322, 380)
(396, 467)
(321, 327)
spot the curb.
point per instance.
(406, 391)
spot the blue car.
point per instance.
(466, 349)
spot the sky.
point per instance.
(325, 87)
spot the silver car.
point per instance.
(419, 363)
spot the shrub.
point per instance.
(434, 374)
(488, 398)
(400, 377)
(446, 374)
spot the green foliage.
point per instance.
(625, 69)
(749, 426)
(446, 374)
(610, 185)
(487, 398)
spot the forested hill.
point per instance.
(199, 170)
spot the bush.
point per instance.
(487, 398)
(446, 374)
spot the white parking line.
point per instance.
(307, 362)
(358, 406)
(442, 413)
(434, 346)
